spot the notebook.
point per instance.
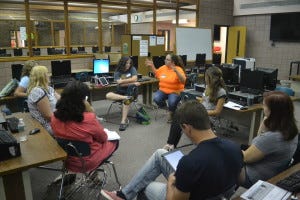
(173, 157)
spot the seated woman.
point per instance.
(171, 82)
(41, 97)
(273, 148)
(126, 77)
(24, 82)
(213, 99)
(74, 119)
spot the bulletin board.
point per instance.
(192, 41)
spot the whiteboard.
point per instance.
(192, 41)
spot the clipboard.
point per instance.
(173, 157)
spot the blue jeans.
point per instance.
(160, 100)
(155, 166)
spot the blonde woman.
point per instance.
(41, 97)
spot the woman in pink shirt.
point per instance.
(75, 119)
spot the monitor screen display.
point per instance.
(61, 67)
(252, 80)
(270, 77)
(230, 74)
(100, 66)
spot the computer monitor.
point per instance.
(61, 68)
(51, 51)
(82, 49)
(18, 52)
(95, 49)
(200, 59)
(158, 61)
(16, 71)
(183, 58)
(230, 74)
(107, 48)
(36, 51)
(252, 80)
(101, 66)
(2, 52)
(270, 77)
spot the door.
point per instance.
(236, 45)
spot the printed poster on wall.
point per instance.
(160, 40)
(23, 33)
(136, 37)
(152, 40)
(143, 47)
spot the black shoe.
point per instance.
(124, 126)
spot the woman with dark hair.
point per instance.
(171, 82)
(126, 78)
(74, 119)
(272, 150)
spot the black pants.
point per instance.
(174, 133)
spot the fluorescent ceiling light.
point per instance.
(181, 21)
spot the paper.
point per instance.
(262, 190)
(112, 135)
(233, 105)
(160, 40)
(152, 40)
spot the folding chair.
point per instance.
(81, 149)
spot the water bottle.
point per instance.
(21, 129)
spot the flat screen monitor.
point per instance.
(2, 51)
(61, 68)
(183, 58)
(16, 71)
(270, 77)
(252, 80)
(200, 59)
(95, 49)
(100, 66)
(230, 74)
(18, 52)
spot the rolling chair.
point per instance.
(86, 182)
(200, 62)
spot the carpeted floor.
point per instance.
(137, 143)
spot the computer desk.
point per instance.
(39, 149)
(99, 92)
(281, 176)
(254, 115)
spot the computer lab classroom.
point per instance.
(256, 44)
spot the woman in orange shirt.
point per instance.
(171, 82)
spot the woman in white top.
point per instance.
(24, 82)
(41, 97)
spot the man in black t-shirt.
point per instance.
(210, 169)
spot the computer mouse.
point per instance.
(34, 131)
(244, 108)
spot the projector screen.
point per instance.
(192, 41)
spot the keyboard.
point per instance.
(60, 79)
(250, 91)
(144, 79)
(291, 183)
(6, 138)
(12, 123)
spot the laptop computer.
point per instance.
(173, 157)
(61, 72)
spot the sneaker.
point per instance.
(128, 100)
(123, 126)
(68, 179)
(110, 195)
(169, 147)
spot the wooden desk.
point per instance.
(98, 93)
(38, 150)
(295, 77)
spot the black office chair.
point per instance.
(135, 61)
(87, 181)
(51, 51)
(217, 59)
(184, 59)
